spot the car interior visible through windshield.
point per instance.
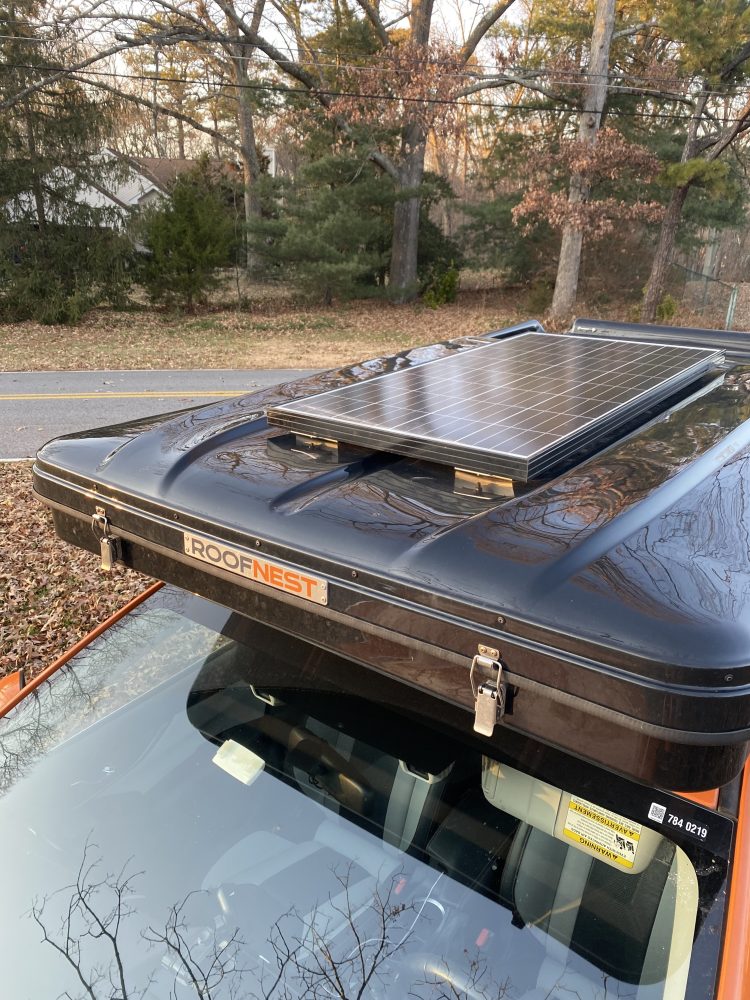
(488, 827)
(301, 838)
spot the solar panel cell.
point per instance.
(513, 407)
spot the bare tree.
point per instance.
(595, 95)
(26, 736)
(346, 947)
(93, 912)
(88, 936)
(327, 954)
(207, 974)
(240, 31)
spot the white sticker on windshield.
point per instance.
(606, 834)
(657, 812)
(241, 763)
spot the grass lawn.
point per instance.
(270, 334)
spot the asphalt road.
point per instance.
(37, 406)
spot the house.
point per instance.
(123, 185)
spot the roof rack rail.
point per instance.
(734, 343)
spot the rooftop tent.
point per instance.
(592, 587)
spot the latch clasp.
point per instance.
(109, 546)
(489, 693)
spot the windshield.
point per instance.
(198, 806)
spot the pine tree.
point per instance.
(186, 239)
(714, 57)
(58, 254)
(331, 230)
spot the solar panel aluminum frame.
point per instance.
(307, 417)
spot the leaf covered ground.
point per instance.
(51, 594)
(271, 334)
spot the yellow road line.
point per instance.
(124, 395)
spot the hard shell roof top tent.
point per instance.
(550, 531)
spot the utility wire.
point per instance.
(518, 74)
(585, 80)
(392, 98)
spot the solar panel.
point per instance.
(514, 407)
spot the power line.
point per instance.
(552, 106)
(585, 80)
(501, 29)
(573, 81)
(517, 79)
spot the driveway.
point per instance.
(37, 406)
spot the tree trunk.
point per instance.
(671, 222)
(663, 256)
(405, 246)
(239, 54)
(250, 169)
(566, 283)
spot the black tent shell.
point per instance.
(615, 592)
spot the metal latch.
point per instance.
(109, 545)
(489, 693)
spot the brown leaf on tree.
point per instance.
(408, 81)
(611, 159)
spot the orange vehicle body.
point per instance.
(709, 799)
(13, 699)
(734, 975)
(10, 686)
(734, 979)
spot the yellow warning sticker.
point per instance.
(606, 834)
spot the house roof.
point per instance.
(163, 172)
(144, 178)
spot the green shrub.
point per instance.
(56, 275)
(491, 240)
(186, 239)
(442, 288)
(539, 297)
(667, 309)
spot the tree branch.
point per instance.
(481, 28)
(162, 110)
(507, 80)
(124, 44)
(633, 29)
(288, 65)
(374, 18)
(742, 56)
(719, 143)
(299, 73)
(58, 75)
(666, 95)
